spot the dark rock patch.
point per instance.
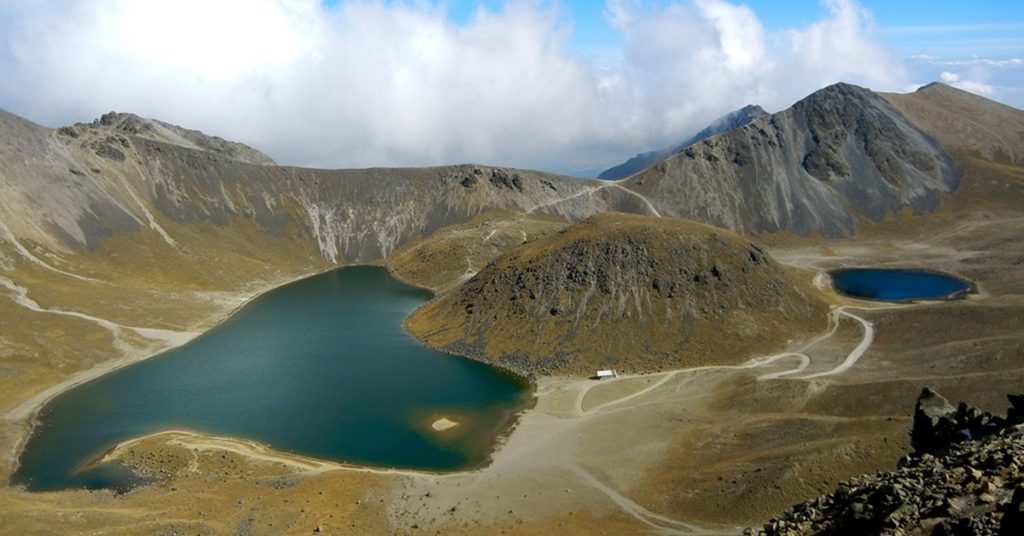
(955, 482)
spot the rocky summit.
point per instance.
(729, 121)
(841, 154)
(965, 478)
(622, 291)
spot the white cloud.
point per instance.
(397, 83)
(948, 77)
(988, 62)
(844, 46)
(955, 80)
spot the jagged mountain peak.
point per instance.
(156, 130)
(839, 153)
(729, 121)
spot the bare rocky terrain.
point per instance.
(841, 153)
(642, 161)
(104, 261)
(963, 478)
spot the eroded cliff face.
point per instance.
(70, 189)
(839, 154)
(623, 291)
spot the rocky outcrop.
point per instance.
(621, 291)
(962, 483)
(643, 161)
(840, 154)
(152, 129)
(937, 424)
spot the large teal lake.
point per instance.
(320, 367)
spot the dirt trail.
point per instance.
(129, 353)
(7, 235)
(549, 430)
(20, 296)
(804, 361)
(589, 190)
(854, 355)
(646, 201)
(662, 524)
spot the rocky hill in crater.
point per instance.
(453, 254)
(840, 154)
(621, 291)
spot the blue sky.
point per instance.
(947, 28)
(570, 86)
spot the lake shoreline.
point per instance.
(29, 411)
(835, 275)
(25, 415)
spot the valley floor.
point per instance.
(705, 450)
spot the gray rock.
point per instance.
(945, 493)
(725, 123)
(840, 153)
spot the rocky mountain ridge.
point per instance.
(840, 154)
(729, 121)
(154, 130)
(963, 121)
(69, 190)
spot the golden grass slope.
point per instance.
(622, 291)
(453, 254)
(962, 121)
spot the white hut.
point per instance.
(602, 374)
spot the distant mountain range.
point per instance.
(643, 161)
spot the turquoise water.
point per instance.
(320, 367)
(898, 284)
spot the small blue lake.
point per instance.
(320, 367)
(898, 285)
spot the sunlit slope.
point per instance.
(841, 153)
(623, 291)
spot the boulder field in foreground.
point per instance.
(964, 478)
(627, 292)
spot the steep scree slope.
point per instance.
(69, 190)
(840, 153)
(727, 122)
